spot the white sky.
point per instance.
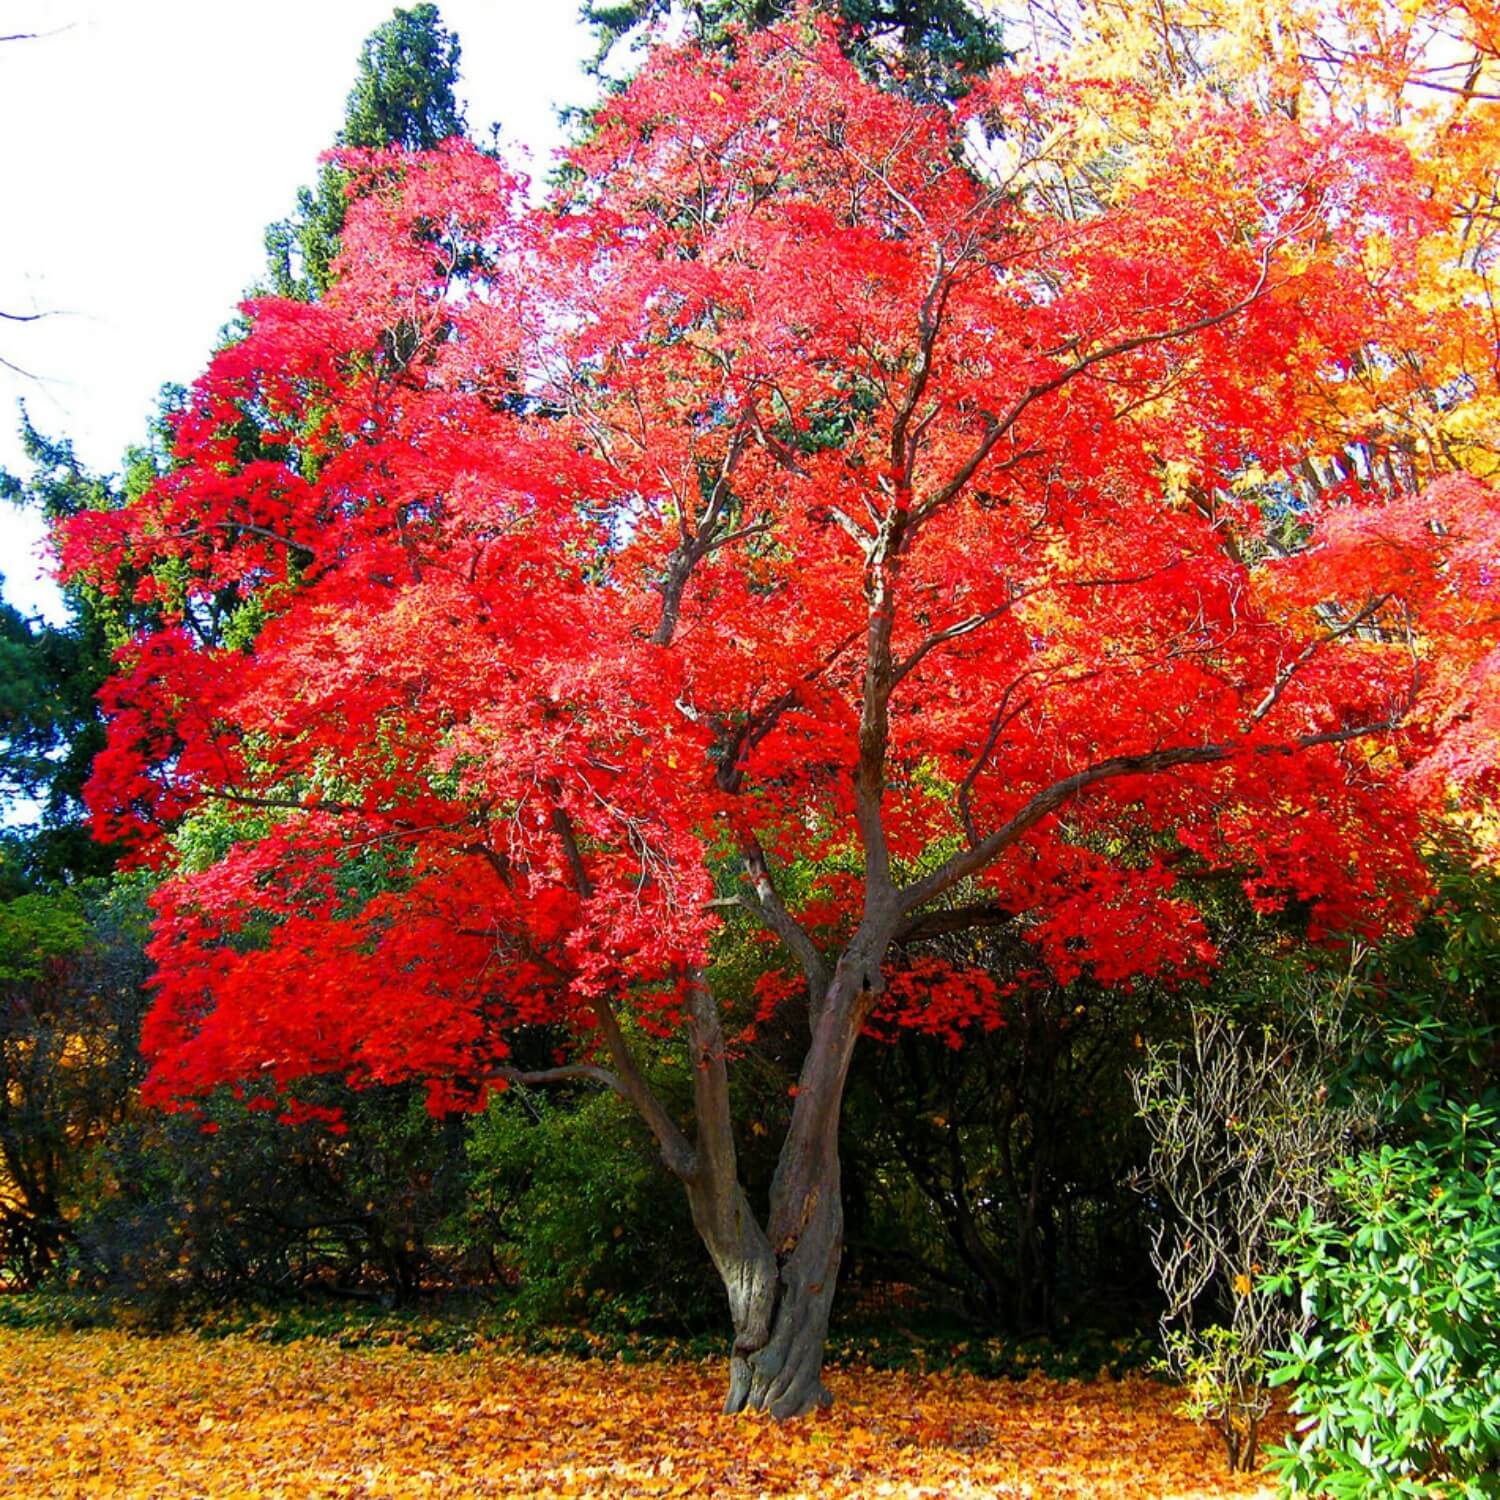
(147, 144)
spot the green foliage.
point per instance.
(402, 96)
(1431, 1001)
(70, 1005)
(925, 47)
(570, 1202)
(403, 87)
(39, 931)
(1219, 1368)
(1398, 1386)
(50, 674)
(242, 1201)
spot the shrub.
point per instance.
(1242, 1137)
(70, 1001)
(239, 1203)
(1398, 1382)
(566, 1198)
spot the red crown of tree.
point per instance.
(821, 481)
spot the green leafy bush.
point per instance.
(566, 1197)
(1398, 1382)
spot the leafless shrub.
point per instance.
(1243, 1134)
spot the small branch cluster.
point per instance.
(1243, 1134)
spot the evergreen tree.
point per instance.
(402, 96)
(50, 674)
(925, 47)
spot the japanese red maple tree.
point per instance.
(820, 480)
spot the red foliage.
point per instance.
(790, 490)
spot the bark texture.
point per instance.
(781, 1282)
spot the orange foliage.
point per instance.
(107, 1413)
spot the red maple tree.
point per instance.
(820, 480)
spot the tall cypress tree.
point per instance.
(403, 95)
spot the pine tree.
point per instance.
(403, 95)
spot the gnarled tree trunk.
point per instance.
(777, 1363)
(780, 1282)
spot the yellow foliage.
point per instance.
(107, 1414)
(1423, 72)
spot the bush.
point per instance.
(1398, 1383)
(1243, 1135)
(238, 1203)
(993, 1175)
(71, 969)
(567, 1198)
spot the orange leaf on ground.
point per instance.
(86, 1414)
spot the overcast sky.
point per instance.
(147, 145)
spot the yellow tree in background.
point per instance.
(1424, 74)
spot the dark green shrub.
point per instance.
(1398, 1384)
(993, 1176)
(240, 1203)
(70, 1002)
(566, 1196)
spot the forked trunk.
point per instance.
(781, 1282)
(779, 1298)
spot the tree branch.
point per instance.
(916, 929)
(952, 632)
(586, 1072)
(562, 826)
(769, 907)
(970, 861)
(999, 426)
(676, 1151)
(1284, 677)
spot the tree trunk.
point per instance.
(780, 1292)
(780, 1280)
(778, 1306)
(777, 1363)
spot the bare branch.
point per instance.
(1284, 677)
(571, 1072)
(769, 907)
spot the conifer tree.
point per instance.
(403, 95)
(928, 48)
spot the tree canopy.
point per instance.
(837, 516)
(929, 47)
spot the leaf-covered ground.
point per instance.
(109, 1413)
